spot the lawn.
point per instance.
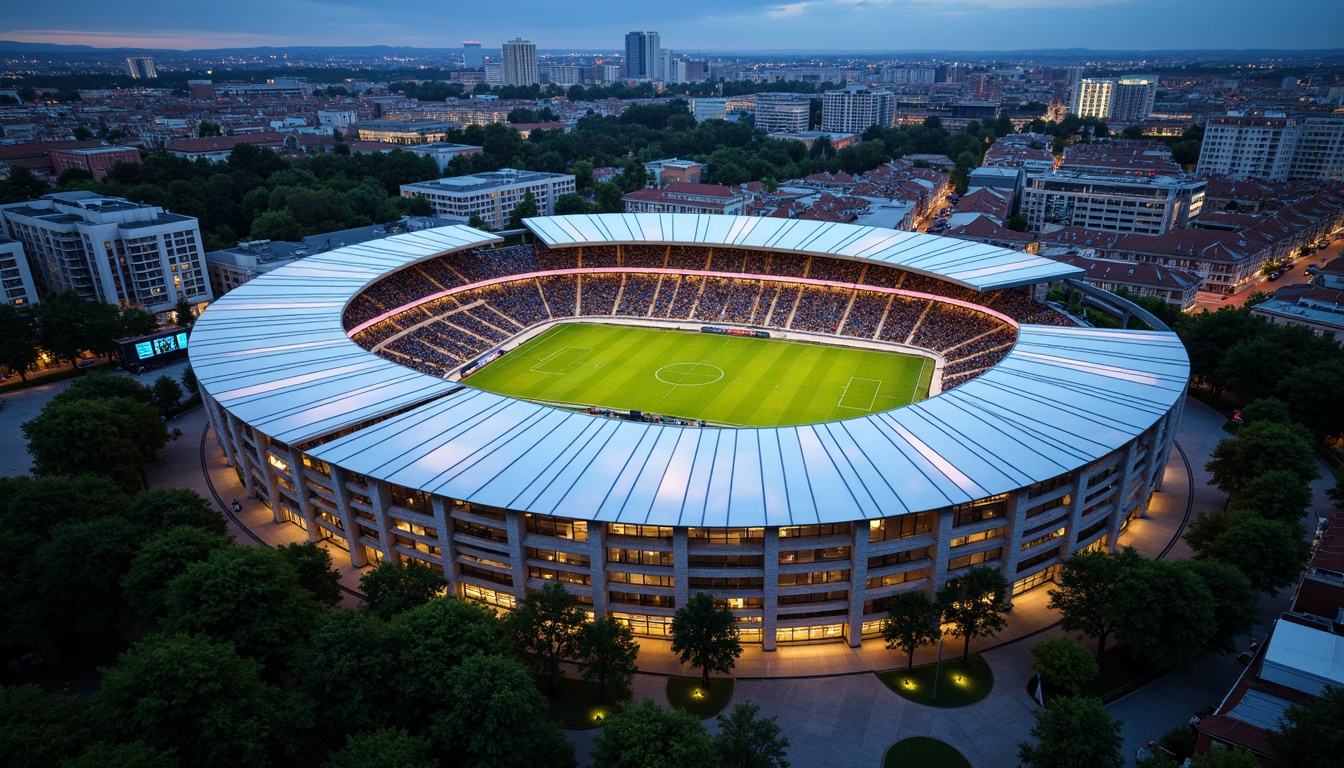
(687, 693)
(959, 683)
(576, 703)
(924, 752)
(722, 379)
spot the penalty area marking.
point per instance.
(561, 361)
(688, 374)
(855, 391)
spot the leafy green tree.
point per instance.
(973, 604)
(1209, 335)
(429, 641)
(526, 209)
(1073, 733)
(384, 748)
(1088, 582)
(1266, 409)
(137, 322)
(746, 740)
(706, 637)
(648, 736)
(115, 437)
(476, 222)
(159, 509)
(393, 588)
(1272, 553)
(163, 558)
(345, 651)
(131, 754)
(194, 696)
(101, 329)
(1165, 614)
(38, 504)
(206, 129)
(1065, 663)
(1276, 495)
(74, 178)
(911, 621)
(606, 652)
(1259, 448)
(1315, 396)
(1226, 758)
(18, 339)
(1309, 734)
(42, 728)
(276, 225)
(167, 393)
(248, 596)
(82, 593)
(493, 715)
(313, 566)
(100, 385)
(182, 314)
(60, 325)
(545, 628)
(1236, 606)
(570, 204)
(189, 381)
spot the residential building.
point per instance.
(1132, 99)
(1092, 98)
(141, 68)
(642, 56)
(684, 197)
(16, 279)
(1317, 308)
(520, 63)
(96, 160)
(709, 109)
(407, 132)
(111, 250)
(472, 58)
(1274, 146)
(337, 119)
(443, 152)
(1148, 205)
(856, 108)
(492, 196)
(494, 73)
(782, 113)
(908, 75)
(564, 75)
(665, 172)
(1178, 287)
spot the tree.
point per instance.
(345, 651)
(706, 637)
(648, 736)
(133, 754)
(60, 324)
(973, 605)
(493, 715)
(249, 596)
(137, 322)
(429, 641)
(162, 559)
(606, 652)
(571, 203)
(189, 381)
(114, 437)
(1276, 495)
(313, 566)
(275, 225)
(1226, 758)
(42, 728)
(18, 339)
(167, 393)
(1259, 448)
(1073, 733)
(195, 696)
(206, 129)
(99, 385)
(159, 509)
(1065, 663)
(1309, 734)
(1164, 614)
(384, 748)
(1315, 396)
(38, 504)
(393, 588)
(476, 222)
(182, 314)
(746, 740)
(1235, 603)
(82, 593)
(73, 178)
(1272, 553)
(1087, 585)
(911, 621)
(526, 209)
(545, 627)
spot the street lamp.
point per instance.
(938, 668)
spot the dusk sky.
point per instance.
(688, 25)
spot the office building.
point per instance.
(111, 250)
(16, 279)
(494, 73)
(1149, 205)
(406, 132)
(1274, 146)
(642, 56)
(520, 63)
(96, 160)
(492, 196)
(856, 108)
(141, 68)
(472, 58)
(443, 152)
(709, 109)
(685, 197)
(782, 113)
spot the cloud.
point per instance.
(787, 10)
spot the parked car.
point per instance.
(1276, 274)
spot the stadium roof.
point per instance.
(974, 265)
(274, 353)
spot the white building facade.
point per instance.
(16, 280)
(520, 63)
(856, 108)
(492, 196)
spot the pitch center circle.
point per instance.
(689, 374)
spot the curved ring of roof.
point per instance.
(273, 353)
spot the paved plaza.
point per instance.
(833, 710)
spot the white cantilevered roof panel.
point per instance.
(975, 265)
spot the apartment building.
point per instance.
(856, 108)
(520, 63)
(1274, 146)
(782, 113)
(16, 280)
(492, 196)
(1149, 205)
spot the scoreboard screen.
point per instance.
(149, 348)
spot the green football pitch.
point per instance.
(723, 379)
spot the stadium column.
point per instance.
(681, 565)
(768, 619)
(597, 566)
(1123, 500)
(268, 471)
(443, 524)
(240, 446)
(358, 558)
(943, 549)
(1017, 508)
(219, 421)
(380, 492)
(513, 523)
(858, 582)
(301, 490)
(1075, 510)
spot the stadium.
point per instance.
(800, 418)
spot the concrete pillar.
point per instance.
(597, 566)
(1075, 510)
(769, 619)
(447, 547)
(681, 565)
(300, 481)
(944, 535)
(357, 557)
(380, 493)
(858, 581)
(1016, 509)
(514, 524)
(241, 445)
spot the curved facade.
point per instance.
(1045, 440)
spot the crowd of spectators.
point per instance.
(441, 335)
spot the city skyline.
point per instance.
(754, 25)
